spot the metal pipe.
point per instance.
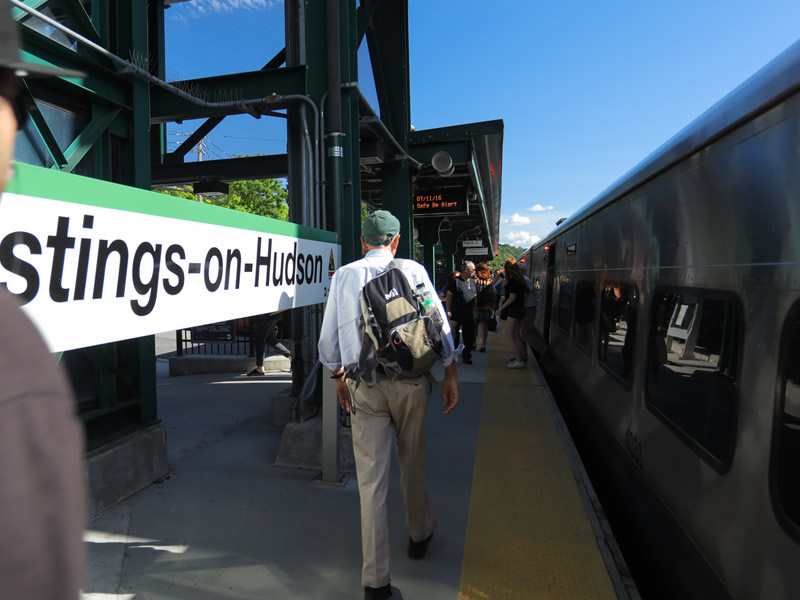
(333, 133)
(133, 68)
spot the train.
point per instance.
(670, 306)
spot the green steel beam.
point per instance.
(98, 84)
(80, 21)
(18, 14)
(365, 13)
(100, 81)
(47, 51)
(201, 132)
(101, 119)
(45, 133)
(166, 107)
(206, 128)
(459, 132)
(229, 169)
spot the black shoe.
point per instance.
(417, 550)
(466, 361)
(380, 593)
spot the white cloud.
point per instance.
(516, 219)
(203, 7)
(521, 239)
(539, 208)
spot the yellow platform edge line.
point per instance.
(528, 532)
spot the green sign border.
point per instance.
(39, 182)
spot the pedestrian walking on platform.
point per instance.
(460, 302)
(264, 335)
(513, 308)
(400, 403)
(42, 483)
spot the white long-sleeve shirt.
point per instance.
(341, 336)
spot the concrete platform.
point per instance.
(202, 364)
(226, 523)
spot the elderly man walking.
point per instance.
(401, 403)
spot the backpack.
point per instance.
(402, 328)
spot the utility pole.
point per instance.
(201, 150)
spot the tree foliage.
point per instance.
(505, 251)
(263, 197)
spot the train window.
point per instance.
(787, 478)
(584, 314)
(565, 294)
(693, 357)
(618, 312)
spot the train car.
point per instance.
(671, 306)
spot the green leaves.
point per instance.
(263, 197)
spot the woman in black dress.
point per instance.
(513, 306)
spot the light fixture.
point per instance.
(442, 162)
(211, 187)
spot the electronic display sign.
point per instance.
(441, 202)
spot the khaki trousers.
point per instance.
(403, 403)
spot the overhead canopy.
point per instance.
(475, 152)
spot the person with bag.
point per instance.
(513, 306)
(484, 303)
(460, 303)
(393, 401)
(264, 334)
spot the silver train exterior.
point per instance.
(671, 303)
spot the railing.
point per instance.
(228, 338)
(187, 343)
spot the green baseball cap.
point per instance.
(380, 228)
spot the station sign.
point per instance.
(442, 202)
(476, 251)
(94, 262)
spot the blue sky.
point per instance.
(586, 89)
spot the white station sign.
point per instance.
(94, 262)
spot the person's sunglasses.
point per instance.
(11, 90)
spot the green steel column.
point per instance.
(140, 91)
(139, 19)
(316, 40)
(449, 245)
(428, 229)
(334, 143)
(396, 113)
(158, 133)
(396, 190)
(351, 193)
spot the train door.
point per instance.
(549, 284)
